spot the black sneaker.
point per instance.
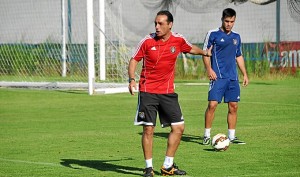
(173, 170)
(206, 141)
(148, 172)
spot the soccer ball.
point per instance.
(220, 142)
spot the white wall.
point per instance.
(36, 21)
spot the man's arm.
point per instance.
(241, 64)
(210, 72)
(131, 70)
(206, 60)
(197, 51)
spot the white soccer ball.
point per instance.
(220, 142)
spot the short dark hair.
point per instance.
(229, 12)
(167, 13)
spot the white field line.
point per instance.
(265, 103)
(272, 174)
(58, 165)
(30, 162)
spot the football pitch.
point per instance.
(59, 133)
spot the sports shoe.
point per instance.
(237, 141)
(148, 172)
(206, 140)
(173, 170)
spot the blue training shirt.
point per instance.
(226, 47)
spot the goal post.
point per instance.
(63, 45)
(90, 46)
(53, 43)
(102, 65)
(91, 53)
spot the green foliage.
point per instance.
(194, 69)
(256, 61)
(27, 59)
(42, 62)
(71, 134)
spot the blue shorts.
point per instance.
(229, 89)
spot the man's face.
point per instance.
(227, 23)
(162, 26)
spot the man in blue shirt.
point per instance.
(222, 71)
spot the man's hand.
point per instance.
(211, 74)
(132, 87)
(208, 52)
(245, 81)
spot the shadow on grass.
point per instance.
(262, 83)
(102, 165)
(210, 150)
(79, 92)
(185, 137)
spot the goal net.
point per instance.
(46, 41)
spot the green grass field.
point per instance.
(47, 133)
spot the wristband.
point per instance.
(131, 79)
